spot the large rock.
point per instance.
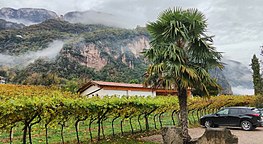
(216, 136)
(172, 135)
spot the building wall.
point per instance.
(89, 90)
(103, 92)
(115, 92)
(142, 93)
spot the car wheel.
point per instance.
(246, 125)
(208, 124)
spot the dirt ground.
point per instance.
(244, 137)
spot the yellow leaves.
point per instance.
(54, 107)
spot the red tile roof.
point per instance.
(112, 84)
(103, 83)
(115, 84)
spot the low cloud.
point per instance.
(20, 21)
(24, 59)
(239, 90)
(59, 6)
(94, 17)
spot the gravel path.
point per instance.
(244, 137)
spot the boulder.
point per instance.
(216, 136)
(172, 135)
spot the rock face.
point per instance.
(93, 57)
(27, 15)
(222, 81)
(98, 54)
(9, 25)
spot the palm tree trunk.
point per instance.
(183, 113)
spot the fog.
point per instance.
(242, 91)
(94, 17)
(24, 59)
(21, 21)
(236, 24)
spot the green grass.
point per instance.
(124, 140)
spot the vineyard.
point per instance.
(38, 114)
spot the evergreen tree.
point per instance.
(256, 75)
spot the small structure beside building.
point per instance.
(101, 88)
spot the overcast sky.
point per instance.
(236, 24)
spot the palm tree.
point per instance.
(180, 55)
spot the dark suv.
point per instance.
(248, 118)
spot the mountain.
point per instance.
(92, 51)
(239, 77)
(222, 81)
(27, 16)
(78, 51)
(95, 51)
(238, 74)
(37, 37)
(9, 25)
(235, 77)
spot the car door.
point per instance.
(220, 117)
(233, 117)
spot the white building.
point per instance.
(101, 88)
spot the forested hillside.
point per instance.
(89, 51)
(30, 55)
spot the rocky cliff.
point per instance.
(9, 25)
(222, 81)
(98, 54)
(27, 15)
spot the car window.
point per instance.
(255, 110)
(233, 111)
(260, 112)
(242, 111)
(223, 112)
